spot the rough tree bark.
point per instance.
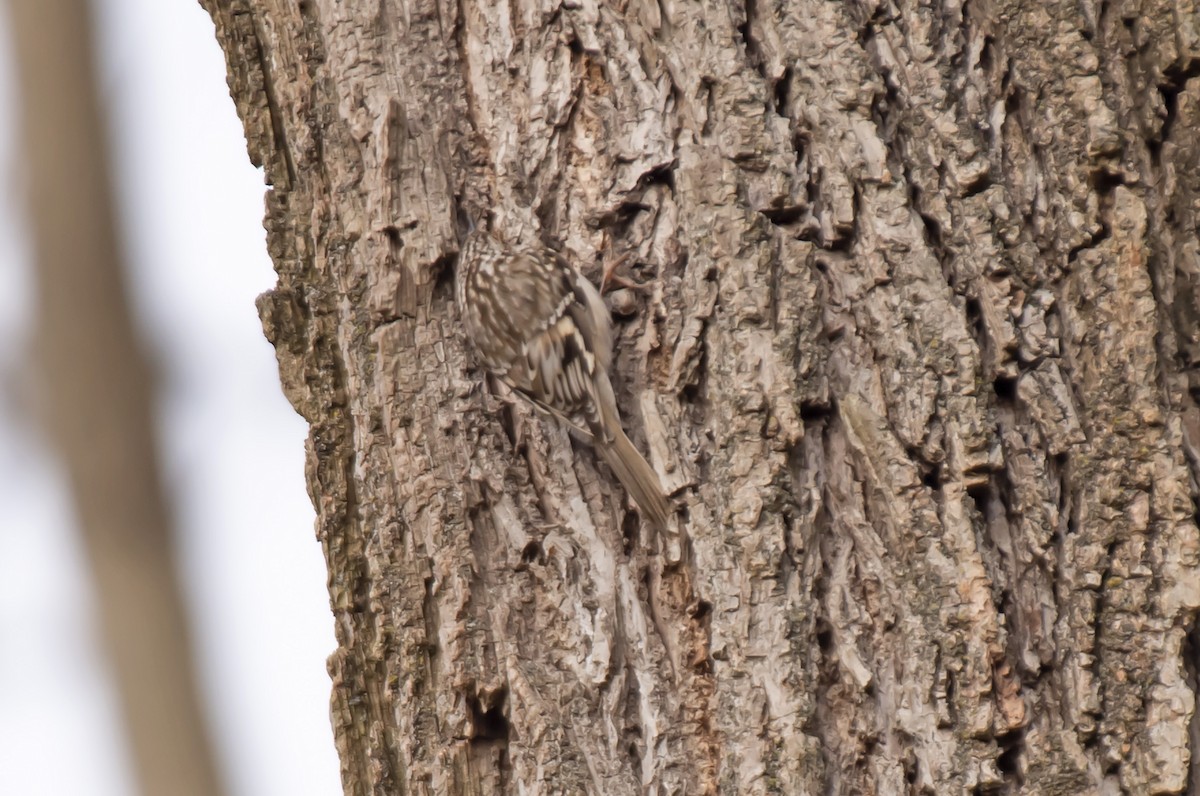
(918, 357)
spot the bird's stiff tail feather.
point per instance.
(637, 476)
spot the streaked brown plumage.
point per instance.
(542, 328)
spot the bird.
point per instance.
(541, 327)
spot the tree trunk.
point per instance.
(917, 356)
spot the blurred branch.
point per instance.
(98, 397)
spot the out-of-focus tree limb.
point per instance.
(97, 398)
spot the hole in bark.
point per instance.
(977, 186)
(1004, 603)
(932, 477)
(800, 147)
(1012, 103)
(703, 608)
(782, 216)
(531, 552)
(1005, 388)
(489, 724)
(660, 175)
(1012, 745)
(933, 230)
(782, 89)
(985, 53)
(443, 273)
(392, 233)
(811, 412)
(975, 318)
(824, 636)
(630, 526)
(978, 492)
(635, 756)
(1106, 181)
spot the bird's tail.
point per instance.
(637, 476)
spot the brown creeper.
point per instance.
(542, 328)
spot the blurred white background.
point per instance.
(191, 209)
